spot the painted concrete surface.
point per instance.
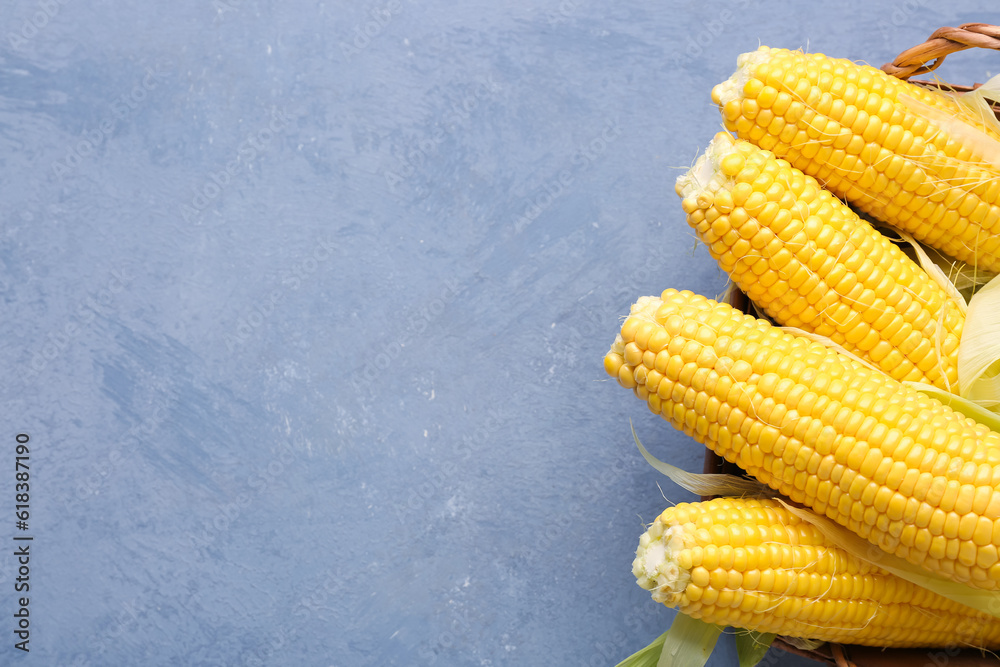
(304, 307)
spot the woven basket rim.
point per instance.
(928, 56)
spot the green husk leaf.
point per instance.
(646, 657)
(980, 600)
(830, 343)
(688, 643)
(956, 126)
(705, 484)
(803, 643)
(752, 646)
(978, 101)
(966, 278)
(935, 272)
(979, 351)
(960, 404)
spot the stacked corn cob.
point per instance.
(810, 262)
(830, 425)
(753, 563)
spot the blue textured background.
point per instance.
(306, 324)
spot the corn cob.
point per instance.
(898, 468)
(914, 158)
(810, 262)
(753, 564)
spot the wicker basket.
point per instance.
(918, 60)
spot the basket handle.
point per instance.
(926, 57)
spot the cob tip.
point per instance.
(655, 566)
(706, 174)
(732, 88)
